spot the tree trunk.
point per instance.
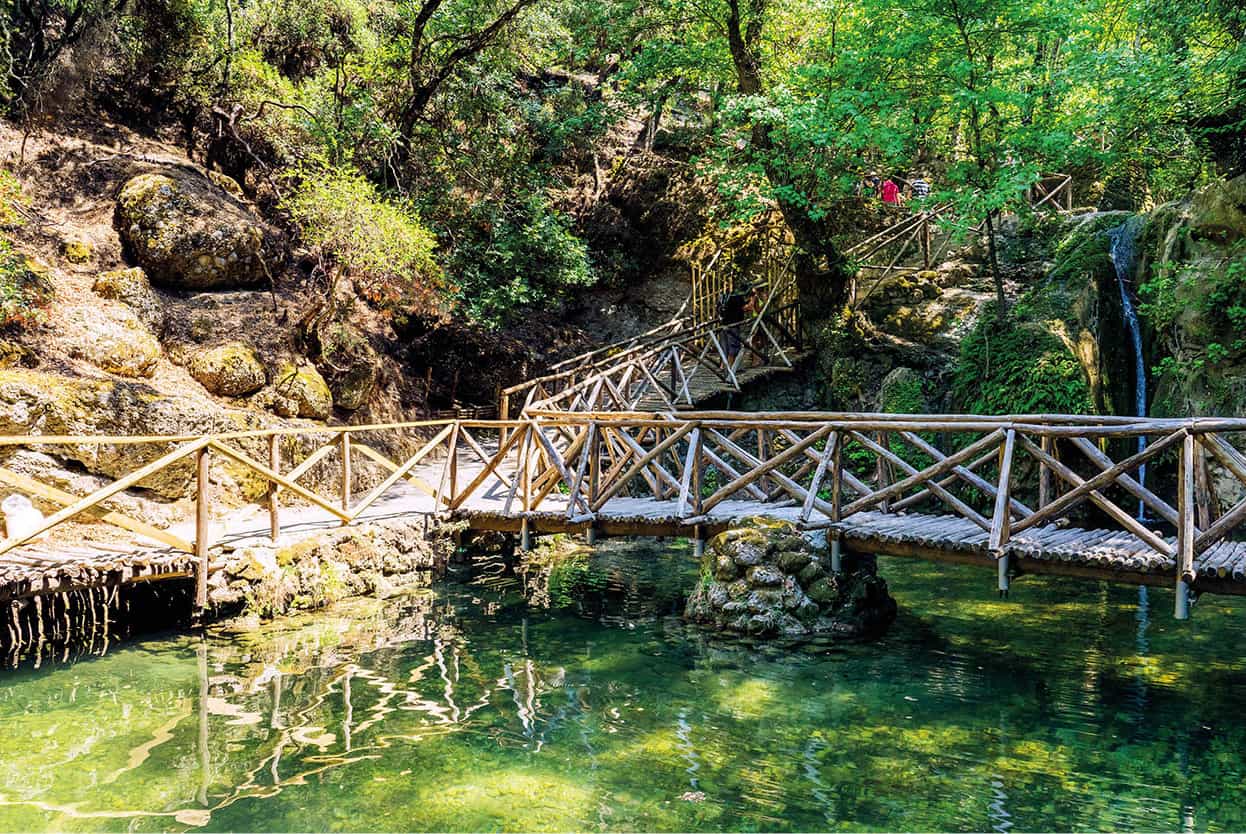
(1001, 311)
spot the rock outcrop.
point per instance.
(374, 558)
(765, 579)
(131, 287)
(228, 370)
(190, 234)
(300, 391)
(115, 340)
(34, 402)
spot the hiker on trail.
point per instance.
(731, 312)
(891, 192)
(868, 187)
(920, 186)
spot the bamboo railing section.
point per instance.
(1004, 476)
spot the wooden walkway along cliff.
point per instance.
(1051, 494)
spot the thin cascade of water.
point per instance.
(1123, 238)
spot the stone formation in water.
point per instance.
(765, 579)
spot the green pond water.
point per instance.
(1071, 706)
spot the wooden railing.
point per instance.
(570, 372)
(665, 374)
(1003, 475)
(1052, 191)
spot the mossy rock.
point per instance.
(902, 392)
(15, 355)
(228, 370)
(77, 251)
(115, 340)
(918, 323)
(46, 403)
(130, 286)
(1218, 211)
(305, 389)
(186, 233)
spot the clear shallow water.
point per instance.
(1067, 707)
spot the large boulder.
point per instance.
(787, 589)
(188, 233)
(131, 287)
(228, 370)
(113, 338)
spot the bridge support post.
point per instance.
(1181, 608)
(837, 559)
(590, 535)
(203, 520)
(698, 541)
(1186, 530)
(525, 536)
(1004, 564)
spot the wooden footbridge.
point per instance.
(1050, 494)
(611, 442)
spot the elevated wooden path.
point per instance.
(1025, 493)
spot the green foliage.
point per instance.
(505, 257)
(1211, 302)
(1018, 368)
(12, 199)
(381, 246)
(24, 288)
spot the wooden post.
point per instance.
(525, 535)
(761, 456)
(698, 541)
(1203, 500)
(837, 473)
(274, 503)
(698, 472)
(1185, 527)
(525, 462)
(504, 410)
(926, 241)
(1002, 521)
(594, 466)
(883, 474)
(346, 479)
(1044, 475)
(203, 518)
(453, 464)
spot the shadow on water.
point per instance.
(476, 706)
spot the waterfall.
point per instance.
(1123, 238)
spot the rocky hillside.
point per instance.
(168, 305)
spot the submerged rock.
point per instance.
(787, 590)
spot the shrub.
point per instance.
(11, 200)
(382, 246)
(1017, 368)
(24, 289)
(514, 254)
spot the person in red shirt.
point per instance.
(890, 192)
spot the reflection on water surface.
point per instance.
(1070, 706)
